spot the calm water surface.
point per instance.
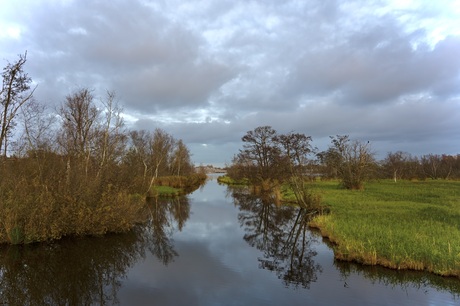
(215, 247)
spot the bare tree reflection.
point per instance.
(71, 272)
(403, 279)
(166, 216)
(281, 233)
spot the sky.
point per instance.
(208, 71)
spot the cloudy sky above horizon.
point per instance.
(386, 71)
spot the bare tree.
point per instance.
(79, 125)
(396, 163)
(181, 159)
(431, 165)
(160, 149)
(38, 133)
(354, 160)
(138, 154)
(111, 137)
(15, 93)
(261, 156)
(296, 147)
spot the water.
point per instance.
(215, 247)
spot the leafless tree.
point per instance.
(354, 160)
(261, 155)
(79, 125)
(39, 131)
(180, 162)
(296, 147)
(14, 94)
(111, 136)
(396, 163)
(161, 145)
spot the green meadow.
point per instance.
(403, 225)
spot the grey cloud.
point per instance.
(216, 133)
(209, 71)
(186, 85)
(152, 62)
(379, 74)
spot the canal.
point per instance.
(217, 246)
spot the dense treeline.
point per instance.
(401, 165)
(78, 170)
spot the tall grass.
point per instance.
(404, 225)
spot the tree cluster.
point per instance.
(77, 170)
(400, 165)
(269, 159)
(269, 156)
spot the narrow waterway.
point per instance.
(215, 247)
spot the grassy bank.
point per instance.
(403, 225)
(173, 186)
(165, 191)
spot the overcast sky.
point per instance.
(208, 71)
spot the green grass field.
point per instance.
(166, 191)
(403, 225)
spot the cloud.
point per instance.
(210, 71)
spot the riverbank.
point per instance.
(403, 225)
(35, 211)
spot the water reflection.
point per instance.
(71, 272)
(88, 270)
(165, 218)
(403, 279)
(215, 265)
(281, 233)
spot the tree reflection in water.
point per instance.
(160, 227)
(70, 272)
(89, 270)
(281, 233)
(403, 279)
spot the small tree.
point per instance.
(396, 164)
(180, 159)
(261, 156)
(15, 93)
(111, 138)
(79, 120)
(295, 148)
(354, 161)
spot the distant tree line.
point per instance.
(269, 158)
(77, 170)
(398, 165)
